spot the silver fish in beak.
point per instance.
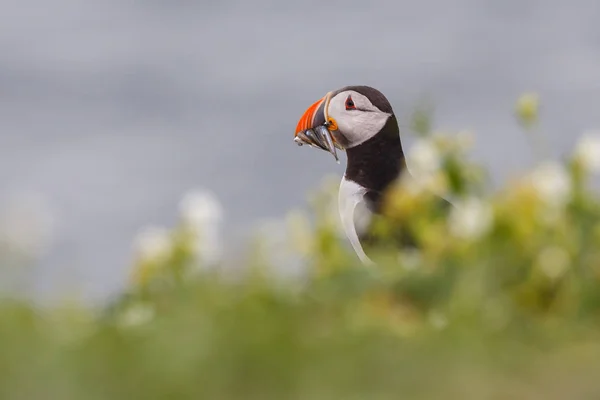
(319, 137)
(315, 130)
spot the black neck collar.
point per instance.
(378, 162)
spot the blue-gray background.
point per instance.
(112, 109)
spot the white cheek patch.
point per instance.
(357, 126)
(362, 126)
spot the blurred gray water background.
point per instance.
(113, 109)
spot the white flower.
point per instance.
(471, 218)
(202, 213)
(200, 207)
(434, 182)
(587, 150)
(425, 158)
(136, 315)
(426, 175)
(552, 183)
(153, 244)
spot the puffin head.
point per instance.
(343, 119)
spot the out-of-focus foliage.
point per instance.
(501, 299)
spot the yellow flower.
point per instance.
(152, 247)
(527, 108)
(153, 243)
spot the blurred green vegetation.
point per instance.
(501, 300)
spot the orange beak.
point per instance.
(308, 118)
(313, 130)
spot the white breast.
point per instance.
(354, 214)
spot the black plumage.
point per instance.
(376, 165)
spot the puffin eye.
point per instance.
(350, 104)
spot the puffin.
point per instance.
(359, 120)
